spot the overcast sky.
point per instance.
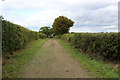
(88, 15)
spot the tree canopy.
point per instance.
(62, 25)
(46, 30)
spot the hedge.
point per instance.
(103, 44)
(15, 37)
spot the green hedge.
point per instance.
(104, 44)
(15, 37)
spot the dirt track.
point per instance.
(53, 61)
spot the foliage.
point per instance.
(15, 37)
(58, 36)
(103, 44)
(46, 30)
(42, 35)
(61, 25)
(98, 68)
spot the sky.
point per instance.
(88, 15)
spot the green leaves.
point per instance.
(61, 25)
(104, 44)
(15, 37)
(46, 30)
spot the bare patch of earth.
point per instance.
(53, 61)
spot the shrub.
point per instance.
(103, 44)
(42, 35)
(15, 37)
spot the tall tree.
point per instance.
(62, 25)
(46, 30)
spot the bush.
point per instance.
(15, 37)
(103, 44)
(58, 36)
(42, 35)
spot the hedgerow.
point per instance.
(103, 44)
(15, 37)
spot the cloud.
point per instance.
(88, 15)
(110, 26)
(86, 22)
(83, 29)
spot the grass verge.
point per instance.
(14, 68)
(99, 68)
